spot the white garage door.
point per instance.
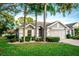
(58, 33)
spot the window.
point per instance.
(29, 32)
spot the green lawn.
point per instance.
(38, 49)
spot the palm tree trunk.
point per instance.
(44, 23)
(24, 22)
(36, 23)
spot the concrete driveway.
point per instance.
(70, 41)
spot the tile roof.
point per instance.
(70, 25)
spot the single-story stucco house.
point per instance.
(54, 29)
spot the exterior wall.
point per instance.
(76, 25)
(21, 32)
(57, 30)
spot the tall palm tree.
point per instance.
(37, 9)
(24, 21)
(44, 26)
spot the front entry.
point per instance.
(29, 32)
(41, 32)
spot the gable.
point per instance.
(28, 26)
(57, 25)
(76, 25)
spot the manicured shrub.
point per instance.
(39, 39)
(33, 38)
(11, 37)
(52, 39)
(68, 36)
(28, 38)
(12, 40)
(21, 40)
(75, 37)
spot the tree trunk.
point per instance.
(24, 22)
(44, 26)
(36, 23)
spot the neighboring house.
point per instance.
(72, 27)
(54, 29)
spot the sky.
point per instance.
(69, 18)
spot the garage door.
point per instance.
(58, 33)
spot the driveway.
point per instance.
(70, 41)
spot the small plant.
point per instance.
(52, 39)
(12, 40)
(21, 40)
(68, 36)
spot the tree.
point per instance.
(28, 20)
(6, 19)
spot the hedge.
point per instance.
(53, 39)
(27, 38)
(75, 37)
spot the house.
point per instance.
(54, 29)
(73, 27)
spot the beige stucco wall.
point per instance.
(57, 31)
(21, 31)
(28, 28)
(76, 25)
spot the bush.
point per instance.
(28, 38)
(33, 38)
(11, 37)
(12, 40)
(68, 36)
(21, 40)
(39, 39)
(52, 39)
(75, 37)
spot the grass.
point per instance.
(38, 49)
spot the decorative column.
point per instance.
(73, 32)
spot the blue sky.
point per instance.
(69, 18)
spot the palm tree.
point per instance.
(44, 26)
(36, 9)
(25, 13)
